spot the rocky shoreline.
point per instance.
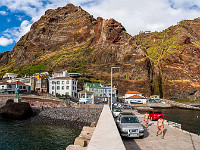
(66, 116)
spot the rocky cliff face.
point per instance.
(165, 63)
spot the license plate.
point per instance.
(136, 130)
(133, 135)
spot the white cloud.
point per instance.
(5, 41)
(154, 15)
(17, 32)
(135, 16)
(3, 13)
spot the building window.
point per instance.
(58, 87)
(24, 87)
(67, 82)
(52, 87)
(63, 88)
(67, 87)
(73, 87)
(63, 82)
(20, 87)
(58, 82)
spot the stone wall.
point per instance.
(82, 141)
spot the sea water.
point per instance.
(27, 136)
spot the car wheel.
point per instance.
(141, 137)
(151, 119)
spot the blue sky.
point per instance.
(17, 16)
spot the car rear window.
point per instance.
(159, 112)
(117, 110)
(130, 120)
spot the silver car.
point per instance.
(129, 125)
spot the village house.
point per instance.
(101, 92)
(63, 86)
(60, 74)
(10, 88)
(86, 97)
(134, 97)
(10, 76)
(41, 83)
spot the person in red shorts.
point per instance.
(160, 125)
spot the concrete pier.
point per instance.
(174, 139)
(106, 135)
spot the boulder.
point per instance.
(16, 111)
(83, 142)
(75, 147)
(93, 124)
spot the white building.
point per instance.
(131, 93)
(10, 75)
(63, 86)
(134, 97)
(60, 74)
(86, 97)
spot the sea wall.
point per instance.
(181, 105)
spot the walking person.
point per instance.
(146, 119)
(160, 125)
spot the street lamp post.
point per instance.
(111, 88)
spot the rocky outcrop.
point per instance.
(16, 111)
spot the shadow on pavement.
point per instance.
(164, 132)
(130, 144)
(150, 124)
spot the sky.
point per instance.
(17, 16)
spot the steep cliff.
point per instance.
(165, 63)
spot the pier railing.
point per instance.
(174, 124)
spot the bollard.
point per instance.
(198, 132)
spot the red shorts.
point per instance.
(160, 128)
(146, 120)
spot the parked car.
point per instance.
(100, 103)
(129, 125)
(125, 106)
(116, 112)
(155, 114)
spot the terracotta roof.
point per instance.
(133, 92)
(17, 82)
(136, 96)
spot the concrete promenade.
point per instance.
(106, 135)
(174, 139)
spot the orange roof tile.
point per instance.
(17, 82)
(136, 96)
(133, 92)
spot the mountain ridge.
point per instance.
(152, 63)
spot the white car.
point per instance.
(116, 112)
